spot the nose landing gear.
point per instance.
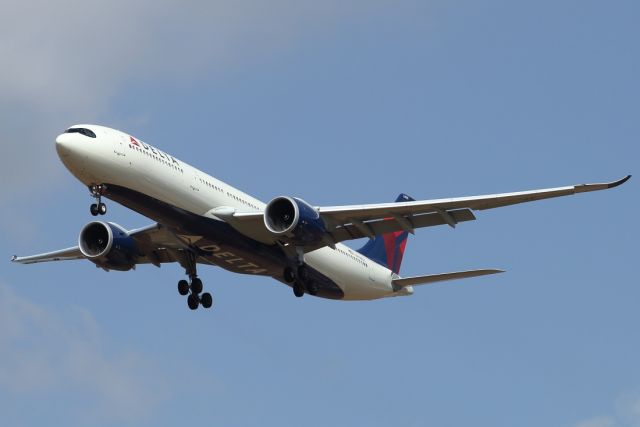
(97, 208)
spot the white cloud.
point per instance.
(597, 422)
(64, 61)
(628, 409)
(42, 353)
(626, 413)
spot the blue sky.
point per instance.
(338, 103)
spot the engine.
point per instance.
(108, 246)
(295, 220)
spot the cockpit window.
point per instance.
(85, 132)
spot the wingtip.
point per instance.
(488, 271)
(14, 258)
(619, 182)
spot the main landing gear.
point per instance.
(300, 281)
(297, 275)
(194, 287)
(194, 290)
(98, 208)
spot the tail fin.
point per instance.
(388, 249)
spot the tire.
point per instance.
(93, 209)
(298, 289)
(183, 287)
(196, 286)
(206, 300)
(102, 208)
(192, 302)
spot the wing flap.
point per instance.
(389, 225)
(432, 278)
(156, 236)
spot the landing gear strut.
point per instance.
(300, 281)
(98, 208)
(194, 287)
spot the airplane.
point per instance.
(200, 220)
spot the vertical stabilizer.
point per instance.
(388, 249)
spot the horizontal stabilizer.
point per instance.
(432, 278)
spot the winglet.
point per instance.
(619, 182)
(583, 188)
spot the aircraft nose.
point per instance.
(71, 152)
(64, 144)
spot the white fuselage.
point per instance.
(117, 158)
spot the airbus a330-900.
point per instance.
(200, 220)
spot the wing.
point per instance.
(357, 221)
(61, 255)
(156, 245)
(342, 214)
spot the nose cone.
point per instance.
(72, 152)
(64, 143)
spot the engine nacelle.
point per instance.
(295, 220)
(107, 245)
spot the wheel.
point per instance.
(298, 289)
(192, 302)
(102, 208)
(312, 288)
(196, 286)
(303, 273)
(289, 275)
(206, 300)
(183, 287)
(93, 209)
